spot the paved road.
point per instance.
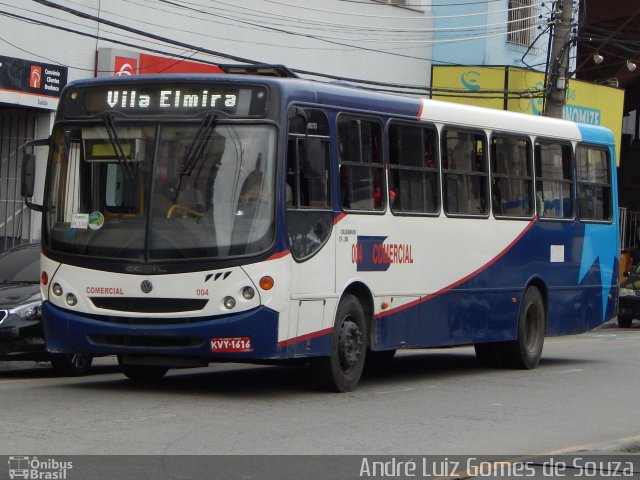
(583, 395)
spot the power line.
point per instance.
(461, 4)
(515, 94)
(205, 50)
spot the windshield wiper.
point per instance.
(195, 149)
(110, 126)
(198, 143)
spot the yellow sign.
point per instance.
(480, 86)
(520, 90)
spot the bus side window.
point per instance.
(554, 179)
(413, 171)
(362, 184)
(594, 183)
(464, 164)
(307, 187)
(511, 176)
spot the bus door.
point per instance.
(309, 220)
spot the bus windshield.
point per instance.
(161, 191)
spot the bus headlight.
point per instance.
(248, 293)
(56, 289)
(229, 303)
(71, 300)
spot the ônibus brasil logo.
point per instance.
(32, 468)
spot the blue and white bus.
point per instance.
(245, 218)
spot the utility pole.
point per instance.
(559, 60)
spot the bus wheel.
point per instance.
(143, 373)
(341, 370)
(525, 351)
(624, 321)
(72, 365)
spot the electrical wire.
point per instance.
(458, 16)
(221, 55)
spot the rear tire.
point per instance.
(624, 321)
(342, 369)
(525, 351)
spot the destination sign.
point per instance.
(166, 98)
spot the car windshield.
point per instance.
(152, 192)
(21, 264)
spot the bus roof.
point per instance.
(347, 96)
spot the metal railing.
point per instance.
(629, 229)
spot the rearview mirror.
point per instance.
(28, 177)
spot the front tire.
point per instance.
(342, 369)
(525, 351)
(143, 373)
(73, 365)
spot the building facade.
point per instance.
(383, 44)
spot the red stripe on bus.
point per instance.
(308, 336)
(278, 255)
(338, 217)
(462, 280)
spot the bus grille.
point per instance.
(149, 305)
(146, 341)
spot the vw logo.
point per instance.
(146, 286)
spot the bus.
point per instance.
(193, 219)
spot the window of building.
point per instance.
(465, 172)
(361, 169)
(594, 183)
(413, 169)
(512, 176)
(522, 19)
(554, 181)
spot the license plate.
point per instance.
(231, 344)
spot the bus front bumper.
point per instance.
(250, 335)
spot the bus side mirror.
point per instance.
(28, 177)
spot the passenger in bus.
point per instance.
(252, 185)
(496, 197)
(289, 195)
(345, 194)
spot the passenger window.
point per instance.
(554, 180)
(361, 169)
(594, 183)
(465, 172)
(413, 169)
(308, 193)
(511, 177)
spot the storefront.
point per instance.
(29, 93)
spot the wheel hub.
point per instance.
(349, 345)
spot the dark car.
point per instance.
(21, 332)
(629, 306)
